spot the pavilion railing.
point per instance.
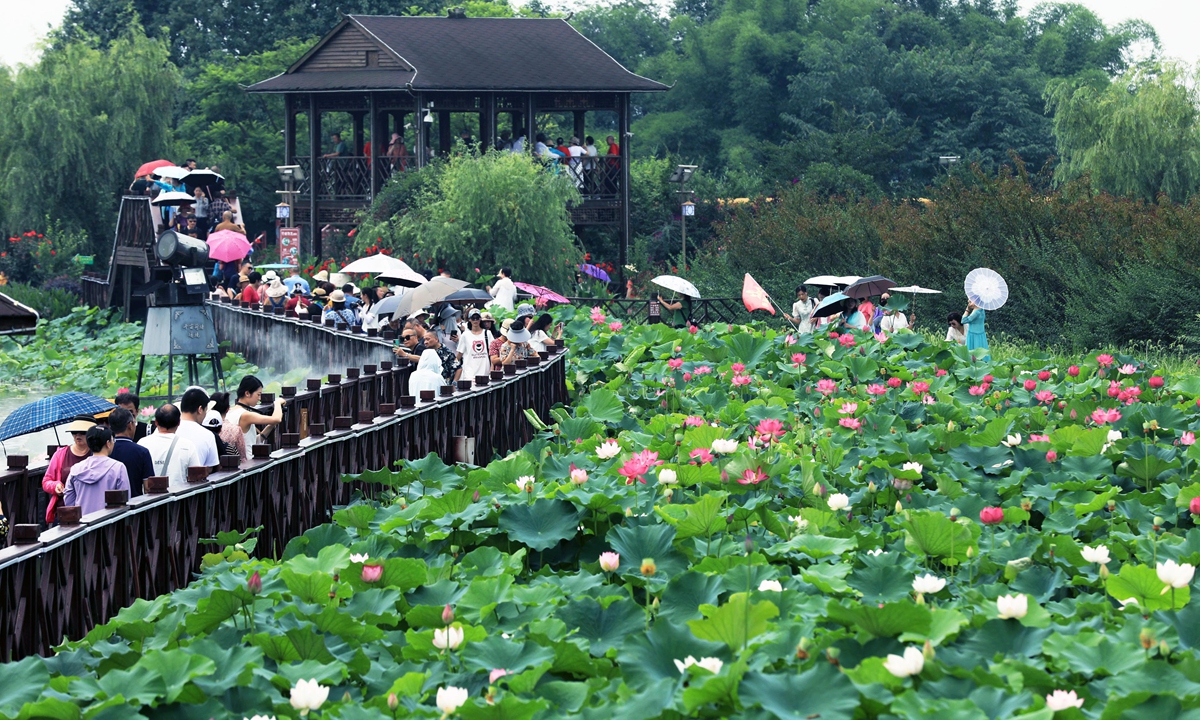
(94, 290)
(61, 582)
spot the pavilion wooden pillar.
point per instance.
(372, 166)
(445, 139)
(487, 123)
(623, 139)
(289, 131)
(358, 131)
(419, 127)
(580, 124)
(316, 179)
(531, 121)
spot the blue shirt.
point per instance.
(291, 282)
(137, 461)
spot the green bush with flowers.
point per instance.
(729, 522)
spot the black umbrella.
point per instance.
(866, 287)
(468, 295)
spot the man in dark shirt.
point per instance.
(450, 361)
(134, 457)
(131, 402)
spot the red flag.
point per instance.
(754, 297)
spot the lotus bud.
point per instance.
(1147, 639)
(447, 614)
(871, 487)
(346, 697)
(649, 567)
(1163, 648)
(1158, 523)
(1104, 572)
(955, 512)
(475, 496)
(831, 654)
(1026, 505)
(970, 551)
(749, 544)
(654, 605)
(927, 651)
(628, 512)
(899, 507)
(950, 426)
(1112, 505)
(393, 702)
(668, 493)
(254, 583)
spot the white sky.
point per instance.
(1177, 23)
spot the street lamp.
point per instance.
(681, 175)
(289, 175)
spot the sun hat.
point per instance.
(320, 291)
(323, 276)
(337, 296)
(270, 276)
(517, 336)
(212, 419)
(525, 310)
(488, 316)
(80, 425)
(419, 312)
(243, 278)
(504, 326)
(474, 314)
(277, 289)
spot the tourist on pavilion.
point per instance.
(171, 454)
(131, 402)
(516, 345)
(214, 422)
(227, 223)
(410, 346)
(447, 357)
(802, 310)
(397, 152)
(276, 296)
(447, 328)
(217, 207)
(472, 349)
(495, 346)
(135, 458)
(539, 338)
(239, 430)
(293, 281)
(193, 407)
(340, 149)
(428, 375)
(54, 480)
(90, 478)
(251, 290)
(338, 311)
(504, 292)
(203, 221)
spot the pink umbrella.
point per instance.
(545, 293)
(227, 246)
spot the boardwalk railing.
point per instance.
(61, 582)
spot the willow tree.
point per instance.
(1137, 136)
(76, 126)
(485, 211)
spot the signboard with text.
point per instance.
(289, 245)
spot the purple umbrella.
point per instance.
(592, 270)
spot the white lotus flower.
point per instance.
(711, 664)
(667, 476)
(608, 449)
(1098, 554)
(911, 663)
(839, 501)
(914, 466)
(1177, 576)
(928, 584)
(260, 717)
(770, 585)
(876, 552)
(358, 557)
(1012, 607)
(451, 698)
(1063, 699)
(801, 523)
(1012, 440)
(1114, 435)
(308, 695)
(724, 446)
(450, 637)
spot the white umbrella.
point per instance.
(172, 171)
(847, 279)
(678, 284)
(435, 290)
(916, 290)
(410, 279)
(986, 289)
(379, 263)
(823, 280)
(172, 198)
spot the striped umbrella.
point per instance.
(51, 411)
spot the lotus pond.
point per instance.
(729, 522)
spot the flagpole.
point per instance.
(785, 316)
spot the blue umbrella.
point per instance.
(274, 266)
(49, 412)
(589, 269)
(829, 306)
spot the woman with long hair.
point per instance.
(240, 429)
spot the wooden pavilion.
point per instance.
(410, 75)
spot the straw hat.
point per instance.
(487, 316)
(320, 292)
(243, 278)
(322, 276)
(80, 425)
(504, 326)
(270, 276)
(277, 289)
(337, 296)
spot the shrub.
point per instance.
(50, 302)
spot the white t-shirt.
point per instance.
(537, 341)
(203, 442)
(505, 293)
(956, 336)
(893, 322)
(159, 444)
(475, 360)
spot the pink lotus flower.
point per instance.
(798, 358)
(929, 399)
(847, 340)
(1038, 438)
(701, 454)
(826, 387)
(849, 422)
(122, 390)
(598, 316)
(675, 363)
(1104, 360)
(615, 325)
(1188, 438)
(496, 674)
(578, 475)
(1156, 382)
(693, 421)
(1051, 456)
(609, 561)
(1101, 416)
(687, 377)
(737, 368)
(1030, 385)
(693, 329)
(876, 389)
(919, 387)
(638, 465)
(991, 516)
(1045, 396)
(702, 370)
(1044, 375)
(833, 335)
(977, 390)
(1073, 371)
(790, 339)
(940, 373)
(1127, 369)
(769, 428)
(372, 573)
(739, 380)
(894, 382)
(752, 477)
(848, 408)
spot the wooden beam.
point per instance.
(376, 138)
(623, 139)
(314, 169)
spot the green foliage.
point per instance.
(1138, 135)
(482, 211)
(50, 304)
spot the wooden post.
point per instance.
(580, 124)
(487, 123)
(358, 132)
(445, 139)
(419, 127)
(531, 122)
(289, 131)
(316, 178)
(623, 140)
(375, 139)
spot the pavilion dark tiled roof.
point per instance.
(471, 54)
